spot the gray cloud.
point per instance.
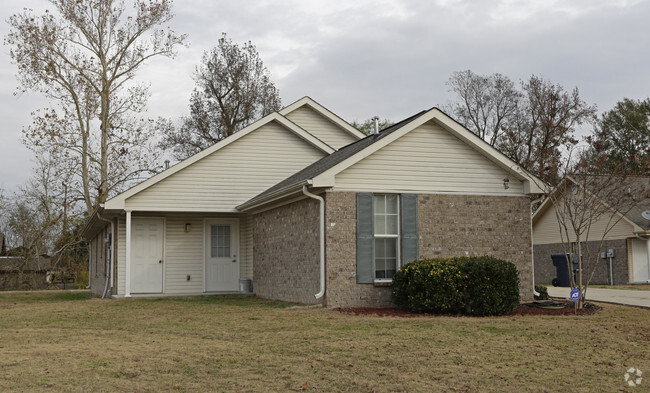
(389, 58)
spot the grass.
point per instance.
(65, 343)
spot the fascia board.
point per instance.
(325, 112)
(456, 130)
(119, 201)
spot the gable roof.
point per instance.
(331, 116)
(118, 201)
(632, 216)
(321, 173)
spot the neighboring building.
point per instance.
(16, 274)
(626, 232)
(248, 207)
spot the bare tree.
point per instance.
(233, 89)
(486, 103)
(531, 125)
(587, 208)
(85, 60)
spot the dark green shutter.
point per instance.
(365, 239)
(410, 238)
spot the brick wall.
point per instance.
(545, 271)
(449, 225)
(465, 225)
(286, 252)
(342, 289)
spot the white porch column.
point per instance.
(127, 267)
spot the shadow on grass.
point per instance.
(45, 296)
(226, 300)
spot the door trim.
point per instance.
(164, 249)
(206, 224)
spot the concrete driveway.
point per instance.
(617, 296)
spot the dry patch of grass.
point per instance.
(242, 344)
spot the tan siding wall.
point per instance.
(232, 175)
(429, 160)
(121, 255)
(246, 247)
(321, 127)
(546, 229)
(184, 251)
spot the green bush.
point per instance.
(470, 285)
(543, 292)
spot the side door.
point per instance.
(147, 255)
(222, 255)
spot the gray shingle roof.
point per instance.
(332, 160)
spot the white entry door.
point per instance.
(640, 270)
(147, 255)
(222, 255)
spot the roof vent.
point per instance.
(166, 164)
(375, 130)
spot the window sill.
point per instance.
(383, 283)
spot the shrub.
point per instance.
(429, 286)
(471, 285)
(543, 292)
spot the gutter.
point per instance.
(252, 203)
(322, 240)
(109, 260)
(532, 247)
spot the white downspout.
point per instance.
(89, 263)
(322, 240)
(127, 264)
(532, 247)
(109, 262)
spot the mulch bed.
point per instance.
(521, 310)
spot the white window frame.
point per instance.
(387, 236)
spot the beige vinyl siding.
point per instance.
(184, 251)
(246, 246)
(321, 127)
(547, 231)
(231, 175)
(431, 160)
(121, 256)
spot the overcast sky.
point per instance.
(387, 58)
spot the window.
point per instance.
(386, 232)
(220, 241)
(387, 235)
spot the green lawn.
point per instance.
(69, 342)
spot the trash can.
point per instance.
(245, 285)
(559, 261)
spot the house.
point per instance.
(626, 231)
(314, 212)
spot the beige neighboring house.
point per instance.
(629, 238)
(313, 211)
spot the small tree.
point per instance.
(233, 89)
(368, 126)
(582, 202)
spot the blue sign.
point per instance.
(575, 294)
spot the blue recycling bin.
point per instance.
(559, 261)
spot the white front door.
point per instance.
(222, 255)
(147, 255)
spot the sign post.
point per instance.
(575, 297)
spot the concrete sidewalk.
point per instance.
(616, 296)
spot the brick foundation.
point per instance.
(545, 271)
